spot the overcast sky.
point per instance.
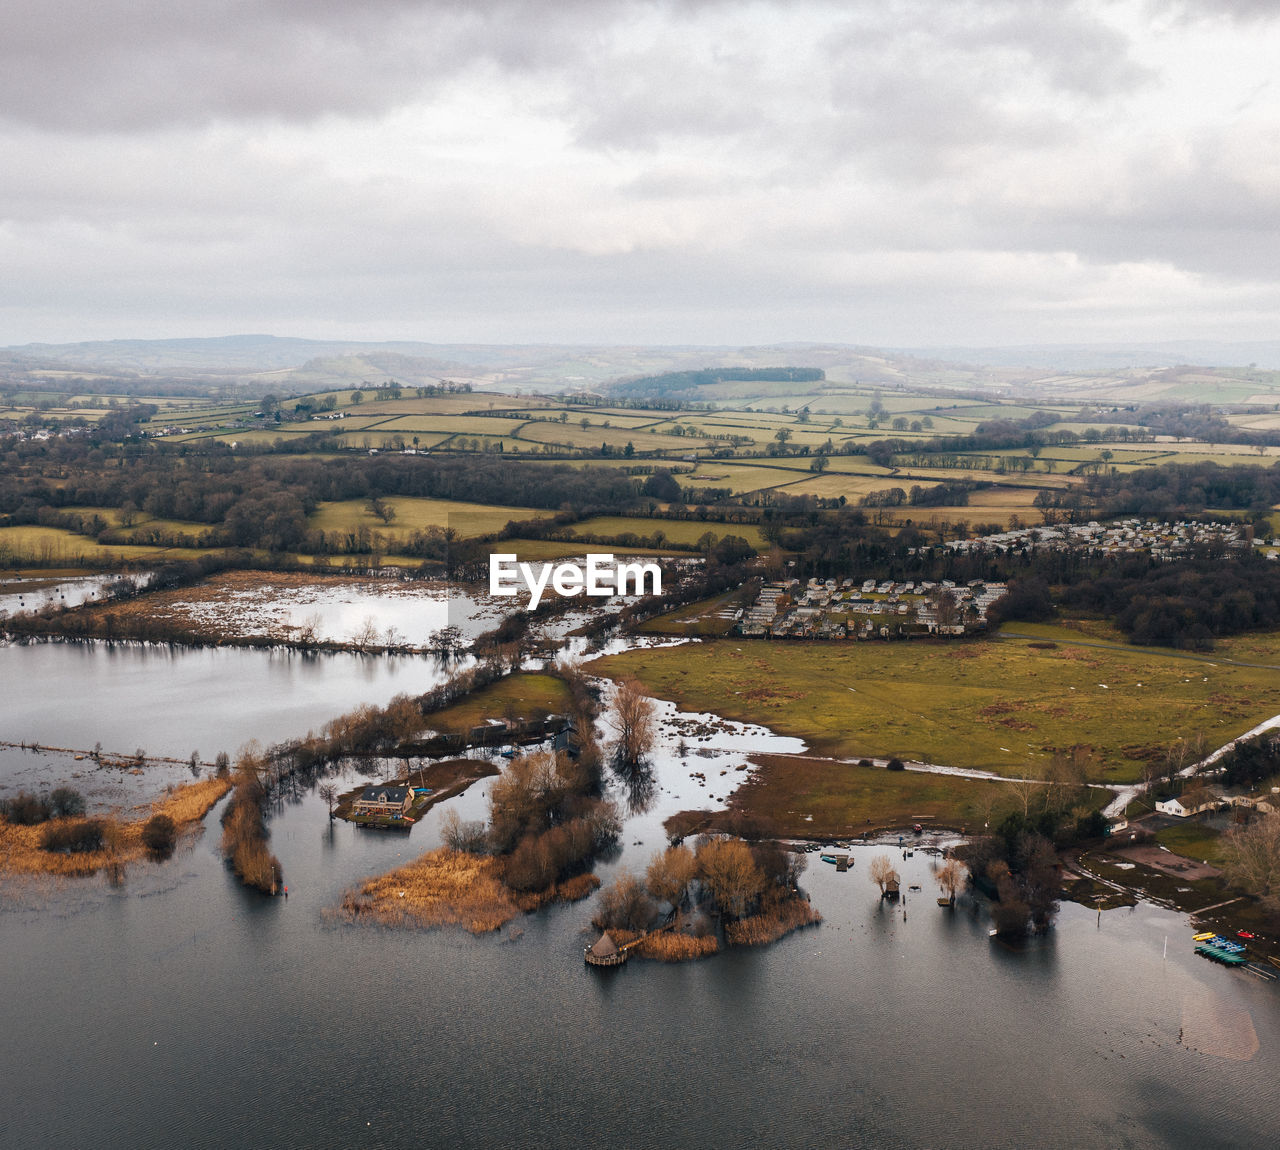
(893, 172)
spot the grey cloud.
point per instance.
(924, 94)
(77, 65)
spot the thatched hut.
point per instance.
(604, 952)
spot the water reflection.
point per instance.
(638, 783)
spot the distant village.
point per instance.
(870, 610)
(1162, 540)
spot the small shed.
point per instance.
(892, 888)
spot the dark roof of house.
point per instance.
(387, 794)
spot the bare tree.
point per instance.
(1024, 788)
(624, 905)
(366, 635)
(309, 629)
(460, 835)
(1251, 858)
(381, 509)
(731, 874)
(329, 793)
(633, 717)
(951, 877)
(881, 871)
(670, 874)
(1066, 776)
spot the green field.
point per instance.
(1000, 706)
(1192, 840)
(523, 696)
(468, 519)
(48, 545)
(819, 799)
(676, 530)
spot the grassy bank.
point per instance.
(810, 798)
(530, 696)
(998, 706)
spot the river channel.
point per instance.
(182, 1010)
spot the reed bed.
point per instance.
(669, 946)
(771, 925)
(21, 852)
(441, 888)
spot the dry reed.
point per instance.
(771, 925)
(670, 946)
(21, 853)
(441, 888)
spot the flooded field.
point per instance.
(888, 1025)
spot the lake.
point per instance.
(184, 1010)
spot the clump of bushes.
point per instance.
(74, 837)
(28, 810)
(159, 834)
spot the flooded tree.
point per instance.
(881, 871)
(730, 872)
(633, 718)
(670, 874)
(951, 877)
(309, 630)
(624, 905)
(466, 835)
(159, 834)
(329, 793)
(366, 635)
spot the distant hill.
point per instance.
(255, 364)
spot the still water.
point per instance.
(170, 701)
(184, 1011)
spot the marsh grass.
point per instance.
(670, 946)
(772, 924)
(441, 888)
(21, 851)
